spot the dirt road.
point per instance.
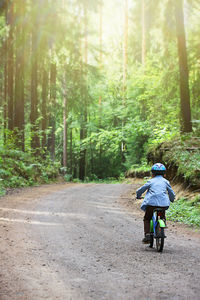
(80, 242)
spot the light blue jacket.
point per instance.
(159, 192)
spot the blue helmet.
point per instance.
(158, 169)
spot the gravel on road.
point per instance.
(80, 242)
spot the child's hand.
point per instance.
(138, 198)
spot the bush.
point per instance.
(68, 177)
(19, 169)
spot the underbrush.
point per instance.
(185, 211)
(139, 171)
(20, 169)
(108, 180)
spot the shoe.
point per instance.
(146, 239)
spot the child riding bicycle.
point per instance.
(159, 194)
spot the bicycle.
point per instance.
(157, 229)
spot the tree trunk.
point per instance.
(186, 125)
(1, 101)
(125, 60)
(5, 92)
(65, 127)
(44, 107)
(10, 68)
(34, 92)
(71, 151)
(19, 80)
(82, 154)
(100, 47)
(83, 131)
(125, 48)
(100, 97)
(143, 33)
(52, 122)
(35, 142)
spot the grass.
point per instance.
(185, 211)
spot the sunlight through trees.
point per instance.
(93, 84)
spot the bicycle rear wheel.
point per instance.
(160, 237)
(151, 240)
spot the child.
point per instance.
(156, 196)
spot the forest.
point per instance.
(98, 89)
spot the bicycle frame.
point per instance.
(154, 221)
(157, 226)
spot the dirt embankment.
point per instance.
(181, 158)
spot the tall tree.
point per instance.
(65, 127)
(19, 69)
(125, 47)
(35, 143)
(100, 45)
(44, 105)
(5, 87)
(100, 67)
(125, 60)
(83, 130)
(143, 32)
(52, 120)
(10, 61)
(186, 125)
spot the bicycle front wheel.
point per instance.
(160, 237)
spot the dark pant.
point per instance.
(148, 215)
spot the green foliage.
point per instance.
(141, 171)
(136, 136)
(2, 189)
(105, 149)
(67, 177)
(185, 211)
(108, 180)
(136, 120)
(19, 169)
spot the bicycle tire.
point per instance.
(151, 241)
(159, 238)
